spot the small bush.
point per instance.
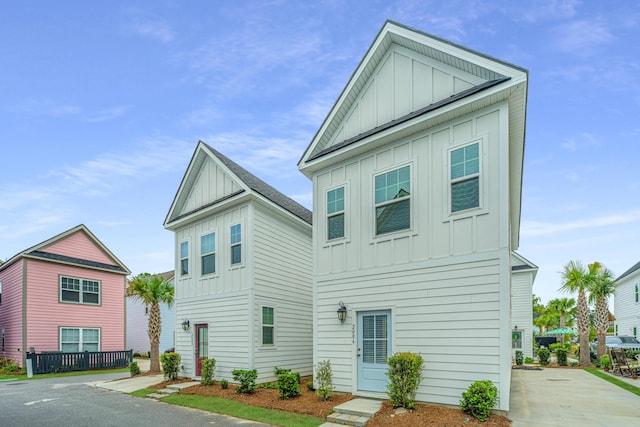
(5, 361)
(134, 368)
(405, 374)
(170, 365)
(208, 370)
(288, 385)
(561, 356)
(268, 385)
(543, 356)
(310, 386)
(15, 369)
(528, 360)
(279, 371)
(247, 380)
(479, 399)
(605, 361)
(224, 384)
(519, 357)
(324, 378)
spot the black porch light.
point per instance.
(342, 312)
(185, 325)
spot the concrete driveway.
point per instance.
(569, 397)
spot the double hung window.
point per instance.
(335, 213)
(79, 339)
(184, 258)
(236, 244)
(208, 253)
(268, 325)
(393, 200)
(465, 177)
(82, 291)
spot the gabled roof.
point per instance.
(39, 252)
(489, 81)
(520, 263)
(249, 182)
(633, 269)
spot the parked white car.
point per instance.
(617, 341)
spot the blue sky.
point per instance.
(103, 103)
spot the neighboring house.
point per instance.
(626, 304)
(417, 179)
(64, 294)
(243, 271)
(138, 324)
(523, 273)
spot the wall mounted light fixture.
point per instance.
(342, 312)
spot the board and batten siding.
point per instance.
(626, 309)
(46, 314)
(403, 82)
(449, 312)
(11, 311)
(522, 310)
(227, 317)
(203, 192)
(78, 245)
(282, 269)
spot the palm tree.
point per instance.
(578, 280)
(152, 290)
(565, 308)
(602, 288)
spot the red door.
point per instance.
(202, 346)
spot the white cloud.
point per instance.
(582, 37)
(583, 141)
(46, 107)
(155, 30)
(547, 10)
(536, 228)
(106, 114)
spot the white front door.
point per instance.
(374, 346)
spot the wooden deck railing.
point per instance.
(47, 362)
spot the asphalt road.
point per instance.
(71, 401)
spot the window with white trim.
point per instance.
(184, 258)
(393, 200)
(81, 291)
(464, 174)
(637, 292)
(2, 348)
(335, 213)
(236, 244)
(268, 325)
(0, 292)
(79, 339)
(208, 253)
(516, 339)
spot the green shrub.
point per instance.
(170, 365)
(247, 380)
(134, 368)
(324, 379)
(224, 384)
(279, 371)
(561, 356)
(5, 361)
(288, 385)
(519, 357)
(631, 354)
(310, 386)
(405, 374)
(605, 361)
(208, 370)
(543, 356)
(528, 360)
(479, 399)
(268, 385)
(15, 369)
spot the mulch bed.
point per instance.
(431, 415)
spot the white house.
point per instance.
(417, 179)
(626, 304)
(243, 271)
(523, 273)
(138, 324)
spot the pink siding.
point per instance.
(11, 311)
(45, 314)
(79, 245)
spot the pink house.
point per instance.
(64, 294)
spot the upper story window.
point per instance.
(268, 325)
(335, 213)
(208, 253)
(74, 340)
(0, 292)
(184, 258)
(637, 292)
(465, 177)
(83, 291)
(393, 200)
(236, 244)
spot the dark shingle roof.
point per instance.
(79, 261)
(629, 271)
(264, 189)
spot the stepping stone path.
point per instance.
(355, 412)
(173, 388)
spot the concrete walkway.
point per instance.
(569, 397)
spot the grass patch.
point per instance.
(622, 384)
(20, 377)
(143, 392)
(240, 410)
